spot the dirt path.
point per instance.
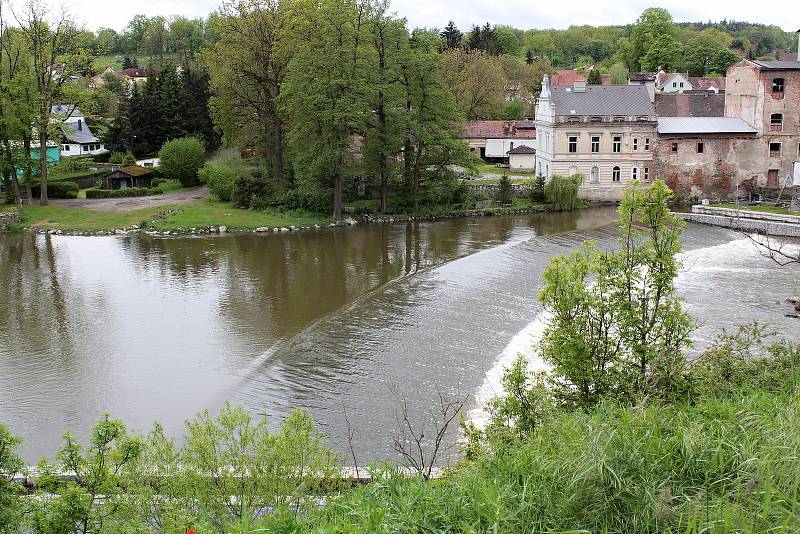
(184, 196)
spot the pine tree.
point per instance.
(452, 35)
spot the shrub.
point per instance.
(253, 193)
(562, 191)
(301, 199)
(58, 190)
(122, 158)
(536, 194)
(72, 165)
(123, 193)
(220, 180)
(10, 462)
(504, 190)
(181, 159)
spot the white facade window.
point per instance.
(617, 147)
(647, 143)
(85, 148)
(616, 174)
(573, 144)
(594, 177)
(596, 144)
(635, 173)
(636, 143)
(66, 148)
(646, 173)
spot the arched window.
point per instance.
(616, 174)
(594, 177)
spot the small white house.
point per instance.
(148, 163)
(674, 83)
(76, 139)
(522, 158)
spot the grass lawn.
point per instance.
(64, 218)
(492, 169)
(203, 213)
(168, 186)
(762, 208)
(115, 61)
(496, 181)
(208, 212)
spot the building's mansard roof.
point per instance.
(599, 100)
(65, 111)
(704, 125)
(690, 104)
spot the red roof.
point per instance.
(566, 77)
(499, 130)
(707, 83)
(135, 73)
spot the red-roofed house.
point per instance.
(493, 139)
(707, 84)
(566, 78)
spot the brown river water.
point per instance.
(160, 328)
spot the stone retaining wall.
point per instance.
(7, 219)
(746, 214)
(759, 226)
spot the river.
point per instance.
(160, 328)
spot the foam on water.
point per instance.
(740, 255)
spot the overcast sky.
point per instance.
(518, 13)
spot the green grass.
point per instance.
(203, 213)
(82, 219)
(208, 212)
(761, 208)
(492, 169)
(496, 181)
(169, 186)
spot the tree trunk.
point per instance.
(27, 171)
(277, 133)
(417, 171)
(43, 169)
(337, 196)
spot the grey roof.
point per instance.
(642, 76)
(777, 65)
(73, 135)
(603, 100)
(61, 110)
(522, 149)
(704, 125)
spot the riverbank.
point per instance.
(208, 216)
(760, 222)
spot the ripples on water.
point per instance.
(161, 328)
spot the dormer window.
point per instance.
(573, 119)
(619, 119)
(596, 119)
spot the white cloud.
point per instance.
(523, 14)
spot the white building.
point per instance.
(77, 139)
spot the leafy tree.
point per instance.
(452, 35)
(95, 500)
(529, 57)
(704, 55)
(181, 159)
(477, 81)
(617, 324)
(666, 53)
(515, 110)
(562, 191)
(653, 23)
(324, 95)
(54, 56)
(619, 74)
(595, 78)
(10, 465)
(248, 63)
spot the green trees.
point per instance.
(55, 56)
(562, 191)
(10, 464)
(706, 56)
(666, 53)
(477, 82)
(181, 159)
(617, 324)
(504, 190)
(452, 35)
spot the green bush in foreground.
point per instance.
(220, 180)
(181, 160)
(58, 190)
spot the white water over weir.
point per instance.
(708, 282)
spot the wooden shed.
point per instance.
(127, 177)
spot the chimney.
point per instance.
(580, 86)
(80, 125)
